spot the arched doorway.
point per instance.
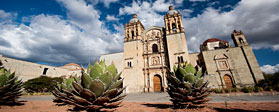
(228, 81)
(157, 85)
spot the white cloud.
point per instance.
(197, 0)
(6, 17)
(83, 15)
(269, 69)
(213, 3)
(83, 36)
(160, 6)
(50, 38)
(259, 20)
(147, 13)
(186, 12)
(105, 2)
(178, 1)
(111, 18)
(108, 2)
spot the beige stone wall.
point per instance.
(193, 57)
(133, 76)
(253, 63)
(27, 70)
(177, 46)
(116, 58)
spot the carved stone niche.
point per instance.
(155, 60)
(222, 62)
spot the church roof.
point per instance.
(72, 64)
(213, 40)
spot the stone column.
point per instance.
(176, 23)
(181, 25)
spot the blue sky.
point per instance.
(57, 32)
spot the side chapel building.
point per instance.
(150, 53)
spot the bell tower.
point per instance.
(173, 21)
(175, 38)
(133, 29)
(239, 38)
(132, 56)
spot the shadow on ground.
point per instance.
(240, 110)
(18, 103)
(166, 106)
(160, 106)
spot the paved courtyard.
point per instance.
(163, 97)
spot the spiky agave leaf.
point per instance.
(10, 88)
(186, 86)
(99, 88)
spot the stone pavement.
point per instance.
(163, 97)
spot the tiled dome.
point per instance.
(171, 11)
(134, 19)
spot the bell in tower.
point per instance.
(173, 21)
(133, 29)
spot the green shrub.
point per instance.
(270, 82)
(269, 88)
(257, 89)
(227, 90)
(41, 84)
(217, 90)
(247, 89)
(235, 90)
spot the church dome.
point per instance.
(214, 43)
(134, 19)
(171, 11)
(210, 40)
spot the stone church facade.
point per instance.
(149, 54)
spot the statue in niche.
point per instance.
(155, 60)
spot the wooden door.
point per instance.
(228, 81)
(157, 84)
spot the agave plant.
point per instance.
(186, 86)
(10, 87)
(97, 89)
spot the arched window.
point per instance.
(154, 48)
(180, 59)
(129, 64)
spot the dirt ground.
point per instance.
(48, 106)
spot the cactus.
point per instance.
(10, 87)
(97, 89)
(186, 86)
